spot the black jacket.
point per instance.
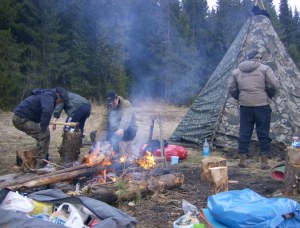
(38, 107)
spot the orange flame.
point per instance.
(148, 161)
(123, 158)
(94, 158)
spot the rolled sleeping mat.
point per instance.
(277, 172)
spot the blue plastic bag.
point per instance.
(245, 208)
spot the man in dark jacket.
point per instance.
(253, 84)
(33, 115)
(78, 110)
(118, 123)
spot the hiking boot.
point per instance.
(264, 162)
(243, 161)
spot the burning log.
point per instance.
(128, 190)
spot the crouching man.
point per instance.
(118, 123)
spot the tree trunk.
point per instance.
(50, 178)
(70, 147)
(292, 171)
(134, 188)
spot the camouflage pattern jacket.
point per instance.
(253, 84)
(120, 118)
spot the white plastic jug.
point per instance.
(73, 217)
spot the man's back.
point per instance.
(251, 79)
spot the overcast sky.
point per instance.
(292, 3)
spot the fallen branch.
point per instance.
(50, 178)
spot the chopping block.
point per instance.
(69, 150)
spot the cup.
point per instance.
(174, 160)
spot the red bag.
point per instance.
(173, 150)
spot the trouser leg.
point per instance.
(33, 129)
(114, 141)
(81, 116)
(246, 129)
(263, 119)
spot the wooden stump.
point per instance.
(292, 171)
(26, 159)
(70, 147)
(218, 180)
(210, 162)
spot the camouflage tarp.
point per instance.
(215, 115)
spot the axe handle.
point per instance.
(71, 124)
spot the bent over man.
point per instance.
(33, 115)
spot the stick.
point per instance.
(162, 146)
(71, 124)
(51, 163)
(151, 131)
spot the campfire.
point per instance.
(112, 162)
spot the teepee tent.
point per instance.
(215, 115)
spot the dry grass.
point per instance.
(12, 140)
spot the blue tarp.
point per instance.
(246, 208)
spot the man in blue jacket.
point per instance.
(33, 115)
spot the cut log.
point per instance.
(26, 159)
(210, 162)
(135, 188)
(70, 147)
(218, 180)
(292, 171)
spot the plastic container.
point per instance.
(205, 150)
(174, 160)
(42, 208)
(183, 222)
(67, 215)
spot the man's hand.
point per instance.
(54, 125)
(120, 132)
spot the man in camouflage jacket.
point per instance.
(118, 122)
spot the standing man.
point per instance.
(118, 122)
(77, 108)
(33, 115)
(253, 84)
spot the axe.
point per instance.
(69, 124)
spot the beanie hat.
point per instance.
(253, 54)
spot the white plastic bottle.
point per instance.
(205, 150)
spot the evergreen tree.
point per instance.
(10, 76)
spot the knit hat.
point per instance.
(110, 96)
(253, 54)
